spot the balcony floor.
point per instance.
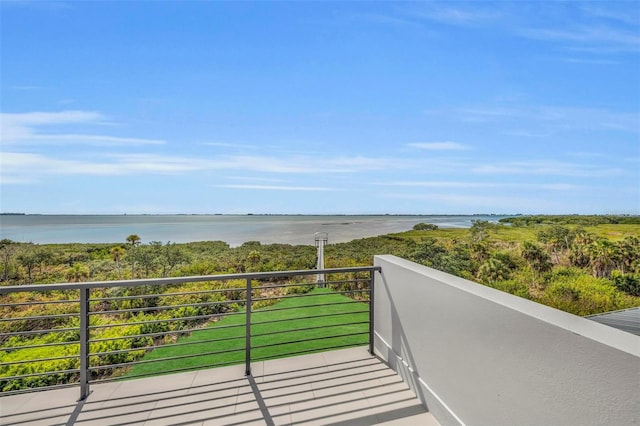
(345, 387)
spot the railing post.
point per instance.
(247, 352)
(371, 308)
(84, 343)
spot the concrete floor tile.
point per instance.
(284, 365)
(119, 414)
(217, 375)
(329, 409)
(252, 418)
(14, 403)
(346, 387)
(186, 411)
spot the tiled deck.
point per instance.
(346, 387)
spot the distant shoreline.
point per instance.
(234, 229)
(261, 214)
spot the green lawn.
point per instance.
(332, 325)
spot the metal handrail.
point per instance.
(180, 280)
(94, 323)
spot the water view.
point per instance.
(233, 229)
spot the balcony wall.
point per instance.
(478, 356)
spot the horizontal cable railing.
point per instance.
(69, 334)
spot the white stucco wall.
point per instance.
(478, 356)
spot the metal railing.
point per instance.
(60, 335)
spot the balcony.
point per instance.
(437, 349)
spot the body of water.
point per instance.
(233, 229)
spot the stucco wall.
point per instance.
(478, 356)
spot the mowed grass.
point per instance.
(344, 316)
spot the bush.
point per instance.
(628, 283)
(425, 227)
(580, 294)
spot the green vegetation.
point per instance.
(425, 227)
(564, 263)
(232, 351)
(584, 220)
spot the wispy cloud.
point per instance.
(276, 187)
(229, 145)
(475, 185)
(29, 167)
(461, 15)
(28, 129)
(549, 117)
(254, 179)
(630, 16)
(600, 36)
(439, 146)
(469, 203)
(589, 61)
(546, 168)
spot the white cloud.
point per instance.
(591, 35)
(254, 179)
(463, 185)
(277, 187)
(459, 16)
(229, 145)
(471, 204)
(439, 146)
(549, 117)
(631, 16)
(29, 167)
(546, 168)
(26, 129)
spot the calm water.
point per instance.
(233, 229)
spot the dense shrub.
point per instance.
(572, 291)
(628, 283)
(425, 227)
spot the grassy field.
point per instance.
(333, 324)
(614, 232)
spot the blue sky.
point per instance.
(320, 107)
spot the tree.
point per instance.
(43, 257)
(629, 254)
(579, 250)
(77, 273)
(425, 227)
(557, 238)
(134, 240)
(480, 229)
(8, 249)
(147, 259)
(429, 252)
(539, 260)
(116, 254)
(29, 260)
(602, 258)
(493, 270)
(168, 256)
(253, 258)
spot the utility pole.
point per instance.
(321, 240)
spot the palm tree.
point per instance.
(77, 273)
(579, 256)
(538, 259)
(602, 257)
(116, 254)
(134, 240)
